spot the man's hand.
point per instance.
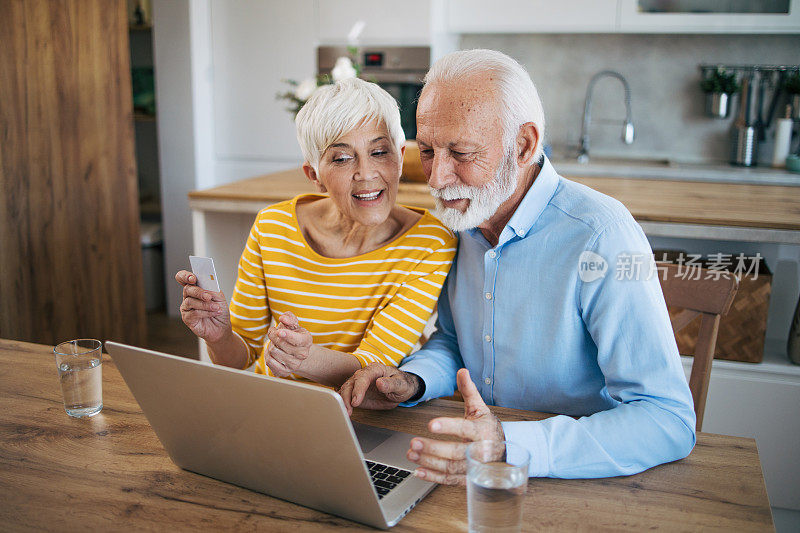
(378, 387)
(445, 462)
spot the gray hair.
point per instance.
(335, 110)
(519, 100)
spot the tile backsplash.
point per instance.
(662, 70)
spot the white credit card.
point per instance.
(203, 269)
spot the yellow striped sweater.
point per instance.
(373, 306)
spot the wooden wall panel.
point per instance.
(70, 260)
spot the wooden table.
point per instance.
(110, 472)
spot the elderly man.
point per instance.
(533, 308)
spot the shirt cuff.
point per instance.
(436, 384)
(532, 436)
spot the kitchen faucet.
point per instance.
(627, 126)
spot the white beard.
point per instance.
(483, 201)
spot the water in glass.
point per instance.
(82, 386)
(495, 498)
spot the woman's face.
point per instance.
(361, 171)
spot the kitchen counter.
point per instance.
(676, 171)
(773, 211)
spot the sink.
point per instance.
(624, 161)
(615, 162)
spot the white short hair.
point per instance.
(519, 99)
(337, 109)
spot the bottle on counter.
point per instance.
(783, 139)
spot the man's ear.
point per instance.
(312, 176)
(527, 141)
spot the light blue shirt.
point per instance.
(541, 326)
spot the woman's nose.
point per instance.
(366, 169)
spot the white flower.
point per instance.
(306, 89)
(343, 69)
(355, 33)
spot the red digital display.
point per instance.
(373, 59)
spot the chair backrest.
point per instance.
(700, 293)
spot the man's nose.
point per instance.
(442, 173)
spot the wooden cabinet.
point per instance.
(70, 261)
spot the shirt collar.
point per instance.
(533, 203)
(531, 206)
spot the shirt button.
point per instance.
(488, 381)
(488, 338)
(488, 295)
(492, 254)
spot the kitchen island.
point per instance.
(744, 399)
(737, 211)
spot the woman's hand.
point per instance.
(290, 347)
(204, 312)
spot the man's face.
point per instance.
(460, 137)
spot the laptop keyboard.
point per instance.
(385, 477)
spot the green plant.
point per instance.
(719, 81)
(300, 92)
(792, 83)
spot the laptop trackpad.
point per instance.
(370, 437)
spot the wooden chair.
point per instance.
(708, 299)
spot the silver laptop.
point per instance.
(287, 439)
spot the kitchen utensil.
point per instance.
(759, 101)
(744, 135)
(718, 105)
(783, 139)
(778, 84)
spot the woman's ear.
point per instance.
(312, 176)
(527, 141)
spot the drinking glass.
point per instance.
(80, 371)
(497, 479)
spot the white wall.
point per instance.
(176, 129)
(219, 65)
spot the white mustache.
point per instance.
(455, 192)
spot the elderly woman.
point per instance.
(348, 277)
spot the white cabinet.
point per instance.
(532, 16)
(760, 401)
(387, 22)
(604, 16)
(633, 20)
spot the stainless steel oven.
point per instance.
(398, 69)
